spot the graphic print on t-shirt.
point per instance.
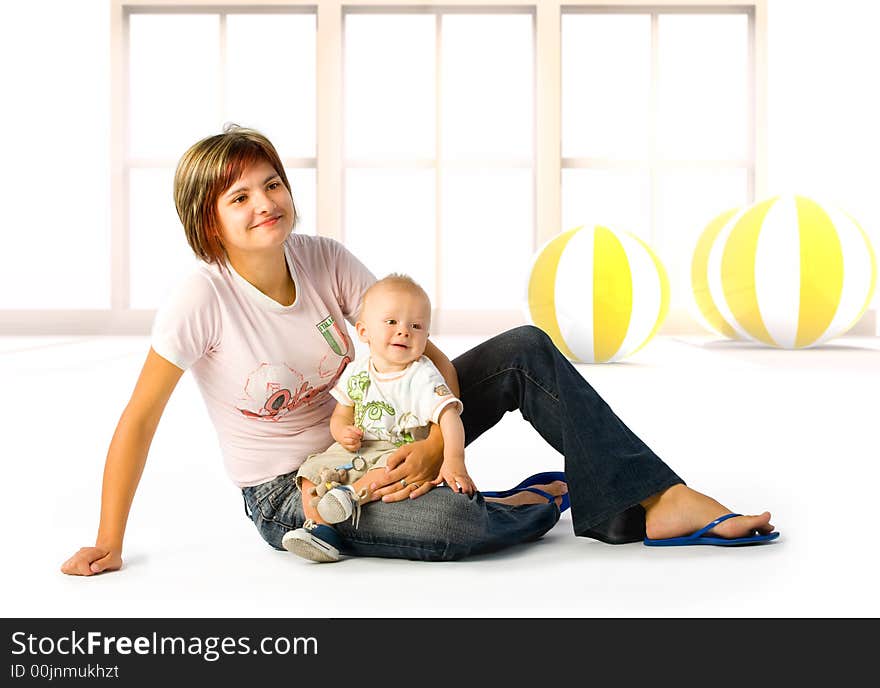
(334, 335)
(369, 415)
(272, 391)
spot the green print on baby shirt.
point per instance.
(372, 410)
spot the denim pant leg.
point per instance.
(275, 507)
(443, 525)
(608, 468)
(438, 526)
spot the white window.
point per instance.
(658, 114)
(439, 153)
(449, 141)
(188, 74)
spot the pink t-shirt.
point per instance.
(265, 370)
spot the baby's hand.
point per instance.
(456, 477)
(351, 437)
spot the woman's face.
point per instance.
(256, 212)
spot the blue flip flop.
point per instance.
(537, 479)
(698, 538)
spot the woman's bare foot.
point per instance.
(557, 488)
(679, 511)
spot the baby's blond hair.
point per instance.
(400, 280)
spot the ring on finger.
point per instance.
(403, 482)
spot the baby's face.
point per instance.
(395, 324)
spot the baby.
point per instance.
(384, 400)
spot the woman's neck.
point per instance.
(268, 273)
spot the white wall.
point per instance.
(55, 154)
(824, 105)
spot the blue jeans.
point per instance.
(609, 470)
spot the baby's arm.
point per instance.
(343, 429)
(453, 471)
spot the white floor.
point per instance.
(794, 432)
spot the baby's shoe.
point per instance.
(341, 503)
(314, 541)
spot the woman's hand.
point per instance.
(91, 560)
(410, 471)
(350, 437)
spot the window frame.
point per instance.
(329, 163)
(446, 320)
(654, 163)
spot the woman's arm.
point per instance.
(125, 464)
(444, 365)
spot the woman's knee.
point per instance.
(529, 335)
(528, 344)
(530, 338)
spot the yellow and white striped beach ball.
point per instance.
(700, 276)
(599, 294)
(791, 273)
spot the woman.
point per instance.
(259, 323)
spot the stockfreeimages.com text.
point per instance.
(210, 648)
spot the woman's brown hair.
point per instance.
(205, 171)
